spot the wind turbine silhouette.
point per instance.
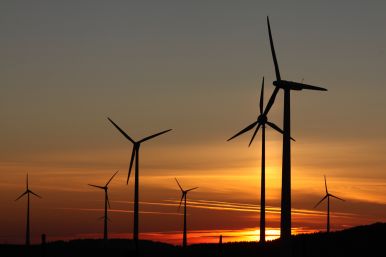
(27, 192)
(287, 86)
(183, 197)
(261, 121)
(107, 203)
(135, 153)
(328, 195)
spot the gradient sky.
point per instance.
(195, 67)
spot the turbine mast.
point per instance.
(184, 239)
(106, 218)
(27, 230)
(262, 194)
(328, 214)
(136, 198)
(285, 223)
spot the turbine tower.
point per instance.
(328, 195)
(135, 154)
(287, 86)
(107, 204)
(183, 197)
(27, 231)
(261, 121)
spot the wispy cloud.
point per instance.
(238, 207)
(119, 211)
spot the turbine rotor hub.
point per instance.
(262, 119)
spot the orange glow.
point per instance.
(205, 236)
(228, 195)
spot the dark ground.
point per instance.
(368, 241)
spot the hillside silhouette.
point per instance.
(365, 240)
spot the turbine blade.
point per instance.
(26, 192)
(191, 189)
(182, 197)
(254, 134)
(133, 153)
(155, 135)
(108, 182)
(302, 86)
(179, 184)
(337, 197)
(320, 201)
(325, 184)
(96, 186)
(273, 52)
(27, 181)
(275, 127)
(249, 127)
(271, 101)
(108, 202)
(35, 194)
(262, 97)
(120, 130)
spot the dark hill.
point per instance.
(369, 240)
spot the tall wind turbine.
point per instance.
(27, 231)
(287, 86)
(183, 197)
(261, 121)
(107, 203)
(135, 154)
(328, 195)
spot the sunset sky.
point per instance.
(195, 67)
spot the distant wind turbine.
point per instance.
(135, 153)
(261, 121)
(287, 86)
(328, 195)
(27, 192)
(107, 203)
(183, 197)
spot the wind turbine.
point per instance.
(183, 197)
(261, 121)
(27, 192)
(107, 203)
(328, 195)
(287, 86)
(135, 153)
